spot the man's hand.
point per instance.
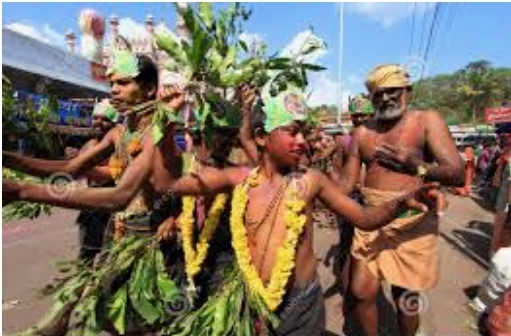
(10, 191)
(425, 197)
(167, 229)
(246, 96)
(397, 158)
(440, 200)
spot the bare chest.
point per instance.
(409, 136)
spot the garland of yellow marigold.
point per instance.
(195, 256)
(295, 221)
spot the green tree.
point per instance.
(463, 95)
(22, 121)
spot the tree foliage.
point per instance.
(462, 96)
(213, 61)
(21, 120)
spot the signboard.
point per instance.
(98, 72)
(69, 113)
(497, 115)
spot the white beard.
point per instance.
(390, 113)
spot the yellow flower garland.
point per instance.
(115, 167)
(295, 223)
(195, 256)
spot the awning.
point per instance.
(31, 62)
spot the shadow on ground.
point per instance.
(473, 240)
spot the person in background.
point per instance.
(470, 163)
(501, 180)
(92, 223)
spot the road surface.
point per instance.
(31, 249)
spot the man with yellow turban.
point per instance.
(401, 149)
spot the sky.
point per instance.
(373, 33)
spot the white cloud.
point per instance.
(43, 33)
(388, 13)
(324, 90)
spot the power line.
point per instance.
(437, 32)
(435, 24)
(413, 29)
(450, 18)
(430, 38)
(450, 14)
(424, 23)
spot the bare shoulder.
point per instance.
(312, 179)
(235, 175)
(428, 116)
(114, 134)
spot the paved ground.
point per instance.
(31, 248)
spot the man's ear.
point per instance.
(260, 137)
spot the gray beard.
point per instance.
(390, 113)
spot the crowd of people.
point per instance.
(244, 197)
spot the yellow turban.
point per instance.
(387, 76)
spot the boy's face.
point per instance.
(126, 91)
(286, 144)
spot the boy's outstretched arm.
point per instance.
(207, 181)
(364, 218)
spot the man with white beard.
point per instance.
(401, 148)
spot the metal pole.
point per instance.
(341, 58)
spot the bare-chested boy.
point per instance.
(273, 203)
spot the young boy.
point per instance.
(278, 132)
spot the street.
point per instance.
(31, 250)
